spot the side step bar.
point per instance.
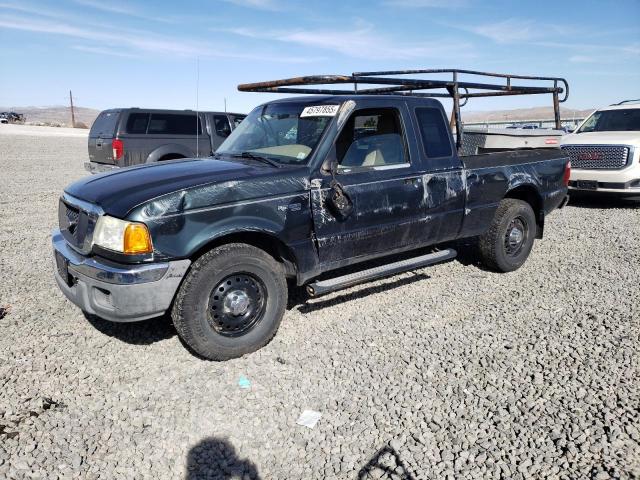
(321, 287)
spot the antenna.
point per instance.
(73, 116)
(197, 113)
(225, 104)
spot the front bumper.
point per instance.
(625, 181)
(627, 188)
(116, 292)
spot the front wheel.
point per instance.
(231, 302)
(509, 240)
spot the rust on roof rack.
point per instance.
(394, 84)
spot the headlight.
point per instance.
(122, 236)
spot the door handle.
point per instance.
(411, 181)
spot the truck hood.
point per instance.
(185, 184)
(602, 138)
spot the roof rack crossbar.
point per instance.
(455, 70)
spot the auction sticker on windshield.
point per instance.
(320, 111)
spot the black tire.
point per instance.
(498, 247)
(228, 277)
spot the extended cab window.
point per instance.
(137, 123)
(173, 124)
(434, 132)
(372, 138)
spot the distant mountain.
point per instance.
(55, 115)
(61, 115)
(538, 113)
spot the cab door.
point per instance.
(377, 172)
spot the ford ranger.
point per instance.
(303, 187)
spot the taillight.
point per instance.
(567, 174)
(118, 148)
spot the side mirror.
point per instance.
(330, 165)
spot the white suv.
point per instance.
(605, 150)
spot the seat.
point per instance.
(374, 158)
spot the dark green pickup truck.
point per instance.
(303, 187)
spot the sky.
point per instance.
(194, 53)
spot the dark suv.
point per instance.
(131, 136)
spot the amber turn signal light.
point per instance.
(137, 239)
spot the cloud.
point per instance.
(138, 41)
(120, 10)
(426, 3)
(507, 31)
(107, 7)
(145, 41)
(582, 59)
(103, 51)
(360, 41)
(633, 49)
(603, 54)
(259, 4)
(513, 31)
(595, 53)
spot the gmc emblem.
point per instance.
(589, 156)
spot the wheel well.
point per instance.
(171, 156)
(529, 194)
(264, 241)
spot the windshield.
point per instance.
(612, 121)
(279, 132)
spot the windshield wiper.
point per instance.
(259, 158)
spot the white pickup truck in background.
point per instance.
(605, 150)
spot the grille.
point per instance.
(598, 157)
(76, 226)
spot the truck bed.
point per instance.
(512, 158)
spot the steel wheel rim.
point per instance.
(516, 236)
(237, 304)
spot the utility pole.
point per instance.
(73, 116)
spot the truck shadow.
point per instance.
(146, 332)
(216, 458)
(386, 463)
(603, 201)
(298, 296)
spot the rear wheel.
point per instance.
(231, 302)
(507, 244)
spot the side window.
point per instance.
(434, 131)
(137, 123)
(372, 138)
(173, 124)
(221, 124)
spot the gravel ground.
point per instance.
(449, 371)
